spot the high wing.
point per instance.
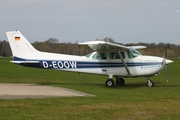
(107, 46)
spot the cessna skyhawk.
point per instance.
(108, 59)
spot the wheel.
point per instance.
(150, 83)
(120, 81)
(109, 83)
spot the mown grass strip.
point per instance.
(132, 101)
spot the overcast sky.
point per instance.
(125, 21)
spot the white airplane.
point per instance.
(109, 59)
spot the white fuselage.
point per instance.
(108, 58)
(138, 66)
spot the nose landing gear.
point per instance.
(149, 83)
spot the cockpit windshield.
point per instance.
(132, 53)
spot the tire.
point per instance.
(150, 83)
(120, 81)
(109, 83)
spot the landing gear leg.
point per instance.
(149, 83)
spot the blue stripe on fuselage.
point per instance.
(67, 64)
(80, 64)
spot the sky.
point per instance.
(125, 21)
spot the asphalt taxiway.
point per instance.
(21, 91)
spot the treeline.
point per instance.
(52, 45)
(160, 49)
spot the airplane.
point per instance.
(110, 59)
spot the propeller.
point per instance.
(166, 61)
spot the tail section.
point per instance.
(21, 48)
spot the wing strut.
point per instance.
(124, 62)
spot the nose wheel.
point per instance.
(150, 83)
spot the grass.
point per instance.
(130, 102)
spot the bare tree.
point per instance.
(53, 40)
(107, 39)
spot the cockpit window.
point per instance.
(115, 55)
(100, 56)
(132, 53)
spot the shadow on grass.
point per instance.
(128, 85)
(166, 84)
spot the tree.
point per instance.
(4, 54)
(109, 40)
(5, 48)
(53, 40)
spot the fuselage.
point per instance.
(138, 65)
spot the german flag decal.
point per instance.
(17, 38)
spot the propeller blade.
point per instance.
(167, 72)
(166, 55)
(166, 61)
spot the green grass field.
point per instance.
(134, 101)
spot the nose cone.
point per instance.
(168, 61)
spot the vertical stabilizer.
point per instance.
(21, 48)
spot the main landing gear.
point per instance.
(110, 82)
(120, 81)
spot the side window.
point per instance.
(100, 56)
(115, 55)
(123, 55)
(88, 55)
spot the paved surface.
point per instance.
(20, 91)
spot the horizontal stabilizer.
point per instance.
(19, 62)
